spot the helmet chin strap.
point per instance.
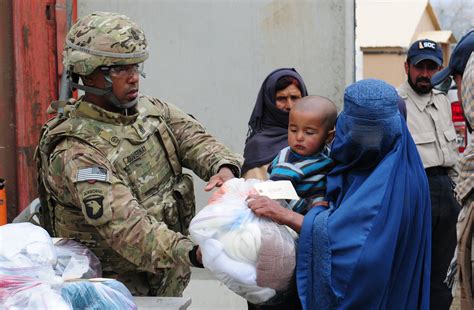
(113, 99)
(106, 92)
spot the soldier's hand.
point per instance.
(199, 255)
(195, 256)
(218, 179)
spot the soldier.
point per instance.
(110, 163)
(461, 68)
(430, 123)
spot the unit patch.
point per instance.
(94, 206)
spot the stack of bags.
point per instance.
(36, 273)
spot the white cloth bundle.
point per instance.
(33, 271)
(230, 236)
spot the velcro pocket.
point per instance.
(183, 192)
(424, 137)
(450, 134)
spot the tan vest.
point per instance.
(135, 153)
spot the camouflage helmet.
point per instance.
(103, 39)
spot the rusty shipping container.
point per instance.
(32, 37)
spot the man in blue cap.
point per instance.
(430, 123)
(461, 67)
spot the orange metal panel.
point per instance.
(34, 28)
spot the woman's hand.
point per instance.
(266, 207)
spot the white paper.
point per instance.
(277, 190)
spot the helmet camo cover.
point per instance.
(103, 39)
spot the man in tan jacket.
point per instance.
(430, 123)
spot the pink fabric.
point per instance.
(276, 259)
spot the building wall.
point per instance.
(210, 57)
(425, 24)
(388, 63)
(384, 66)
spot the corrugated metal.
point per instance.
(35, 56)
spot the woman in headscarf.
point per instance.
(268, 124)
(371, 248)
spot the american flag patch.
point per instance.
(93, 173)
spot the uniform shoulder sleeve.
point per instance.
(200, 151)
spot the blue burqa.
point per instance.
(371, 249)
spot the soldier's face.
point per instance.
(419, 75)
(124, 86)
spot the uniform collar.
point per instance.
(420, 100)
(89, 110)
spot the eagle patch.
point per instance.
(94, 206)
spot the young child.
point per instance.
(306, 162)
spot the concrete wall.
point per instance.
(210, 56)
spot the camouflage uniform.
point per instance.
(115, 183)
(462, 267)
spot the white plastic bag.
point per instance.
(230, 237)
(75, 261)
(102, 294)
(26, 245)
(27, 293)
(34, 273)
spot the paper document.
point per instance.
(277, 190)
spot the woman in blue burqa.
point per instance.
(370, 248)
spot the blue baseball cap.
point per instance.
(458, 60)
(423, 50)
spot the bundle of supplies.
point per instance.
(38, 273)
(254, 257)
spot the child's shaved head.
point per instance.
(322, 106)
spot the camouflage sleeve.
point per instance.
(199, 151)
(109, 205)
